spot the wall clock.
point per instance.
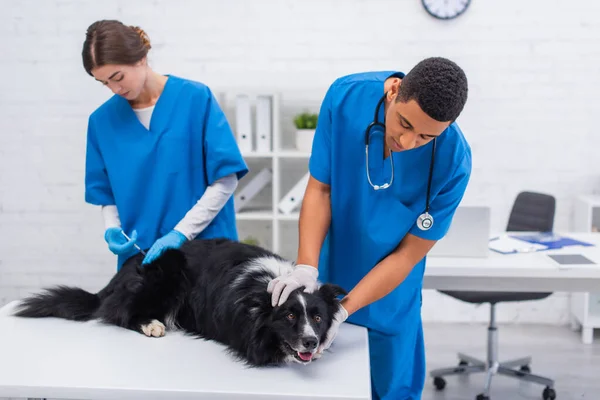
(445, 9)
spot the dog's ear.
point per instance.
(330, 292)
(171, 258)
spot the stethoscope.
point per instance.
(425, 220)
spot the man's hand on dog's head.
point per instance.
(281, 287)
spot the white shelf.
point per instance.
(270, 213)
(279, 154)
(256, 154)
(295, 216)
(254, 215)
(266, 216)
(292, 154)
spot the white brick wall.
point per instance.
(532, 66)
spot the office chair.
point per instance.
(530, 212)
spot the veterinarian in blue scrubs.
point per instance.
(162, 160)
(364, 220)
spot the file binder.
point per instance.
(248, 192)
(294, 197)
(243, 123)
(221, 100)
(264, 128)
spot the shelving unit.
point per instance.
(274, 159)
(273, 214)
(585, 307)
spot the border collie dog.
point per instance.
(213, 289)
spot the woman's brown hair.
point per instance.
(112, 42)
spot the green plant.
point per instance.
(306, 121)
(251, 240)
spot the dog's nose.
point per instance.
(309, 342)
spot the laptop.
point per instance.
(468, 235)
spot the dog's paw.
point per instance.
(154, 328)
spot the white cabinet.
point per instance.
(585, 307)
(260, 218)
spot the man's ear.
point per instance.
(392, 87)
(330, 292)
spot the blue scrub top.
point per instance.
(156, 176)
(367, 225)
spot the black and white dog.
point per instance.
(213, 289)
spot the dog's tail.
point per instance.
(61, 302)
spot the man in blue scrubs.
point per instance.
(359, 222)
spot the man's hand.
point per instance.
(172, 240)
(339, 317)
(281, 287)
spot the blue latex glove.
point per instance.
(117, 243)
(172, 240)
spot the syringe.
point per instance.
(134, 245)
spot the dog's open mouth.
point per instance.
(304, 357)
(301, 356)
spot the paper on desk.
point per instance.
(550, 239)
(508, 245)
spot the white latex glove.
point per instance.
(339, 317)
(282, 286)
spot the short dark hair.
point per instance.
(112, 42)
(438, 85)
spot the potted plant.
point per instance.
(251, 240)
(306, 123)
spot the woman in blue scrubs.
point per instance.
(161, 159)
(366, 222)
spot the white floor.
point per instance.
(557, 352)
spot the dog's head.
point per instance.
(301, 323)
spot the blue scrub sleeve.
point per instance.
(97, 185)
(222, 155)
(443, 206)
(319, 164)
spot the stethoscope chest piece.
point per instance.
(425, 221)
(381, 187)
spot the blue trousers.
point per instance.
(398, 363)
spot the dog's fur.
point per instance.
(213, 289)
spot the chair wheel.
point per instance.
(439, 383)
(549, 393)
(524, 368)
(482, 396)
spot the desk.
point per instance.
(57, 358)
(525, 272)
